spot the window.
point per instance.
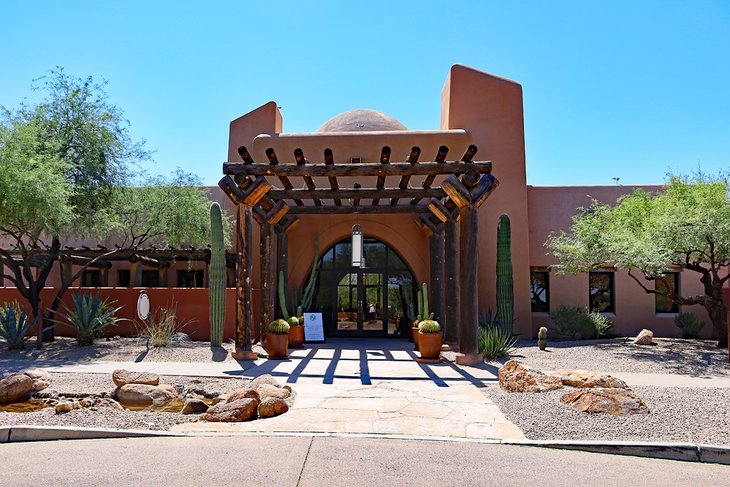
(539, 292)
(667, 284)
(601, 292)
(123, 277)
(91, 279)
(150, 278)
(192, 278)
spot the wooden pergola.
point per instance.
(445, 208)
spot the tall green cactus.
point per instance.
(282, 296)
(308, 296)
(505, 287)
(217, 288)
(423, 313)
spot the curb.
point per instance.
(15, 434)
(685, 452)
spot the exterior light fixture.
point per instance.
(358, 257)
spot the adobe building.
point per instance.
(477, 109)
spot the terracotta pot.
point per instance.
(429, 345)
(296, 336)
(277, 344)
(414, 335)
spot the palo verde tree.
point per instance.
(685, 225)
(66, 165)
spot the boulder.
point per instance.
(66, 406)
(586, 378)
(14, 387)
(645, 337)
(244, 393)
(123, 377)
(146, 395)
(194, 406)
(263, 379)
(267, 390)
(600, 400)
(515, 376)
(240, 410)
(272, 406)
(106, 402)
(41, 379)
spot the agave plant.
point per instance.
(495, 340)
(90, 316)
(14, 325)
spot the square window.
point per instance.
(190, 279)
(91, 279)
(539, 292)
(601, 294)
(123, 277)
(668, 286)
(150, 278)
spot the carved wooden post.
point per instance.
(244, 298)
(451, 283)
(105, 277)
(282, 261)
(469, 301)
(268, 281)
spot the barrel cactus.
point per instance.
(542, 338)
(293, 321)
(505, 287)
(279, 327)
(217, 287)
(429, 326)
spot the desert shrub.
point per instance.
(572, 322)
(602, 326)
(160, 329)
(90, 316)
(689, 324)
(14, 325)
(495, 342)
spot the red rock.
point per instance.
(236, 411)
(599, 400)
(515, 376)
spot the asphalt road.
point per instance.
(326, 461)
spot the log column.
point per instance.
(282, 262)
(268, 280)
(451, 283)
(244, 297)
(436, 251)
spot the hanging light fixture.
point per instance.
(358, 257)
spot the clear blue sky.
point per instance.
(611, 89)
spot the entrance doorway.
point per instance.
(377, 300)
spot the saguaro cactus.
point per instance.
(282, 296)
(217, 288)
(505, 287)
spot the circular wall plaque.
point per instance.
(143, 305)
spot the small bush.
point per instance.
(689, 324)
(160, 328)
(572, 322)
(14, 325)
(495, 342)
(602, 326)
(90, 316)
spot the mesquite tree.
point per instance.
(685, 225)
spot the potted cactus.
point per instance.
(296, 328)
(423, 313)
(277, 339)
(429, 339)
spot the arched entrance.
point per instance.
(377, 300)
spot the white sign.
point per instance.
(313, 328)
(143, 305)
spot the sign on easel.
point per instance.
(313, 328)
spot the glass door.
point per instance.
(360, 304)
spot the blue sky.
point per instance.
(611, 89)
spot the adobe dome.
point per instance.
(361, 120)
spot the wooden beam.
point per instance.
(257, 191)
(347, 210)
(363, 193)
(301, 161)
(274, 161)
(439, 159)
(329, 161)
(438, 209)
(457, 192)
(384, 159)
(231, 189)
(393, 169)
(412, 160)
(483, 190)
(469, 154)
(277, 213)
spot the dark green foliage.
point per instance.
(577, 323)
(494, 339)
(602, 326)
(505, 286)
(217, 276)
(14, 325)
(689, 324)
(90, 316)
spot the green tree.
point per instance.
(685, 225)
(66, 169)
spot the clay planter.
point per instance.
(414, 334)
(429, 345)
(277, 344)
(296, 336)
